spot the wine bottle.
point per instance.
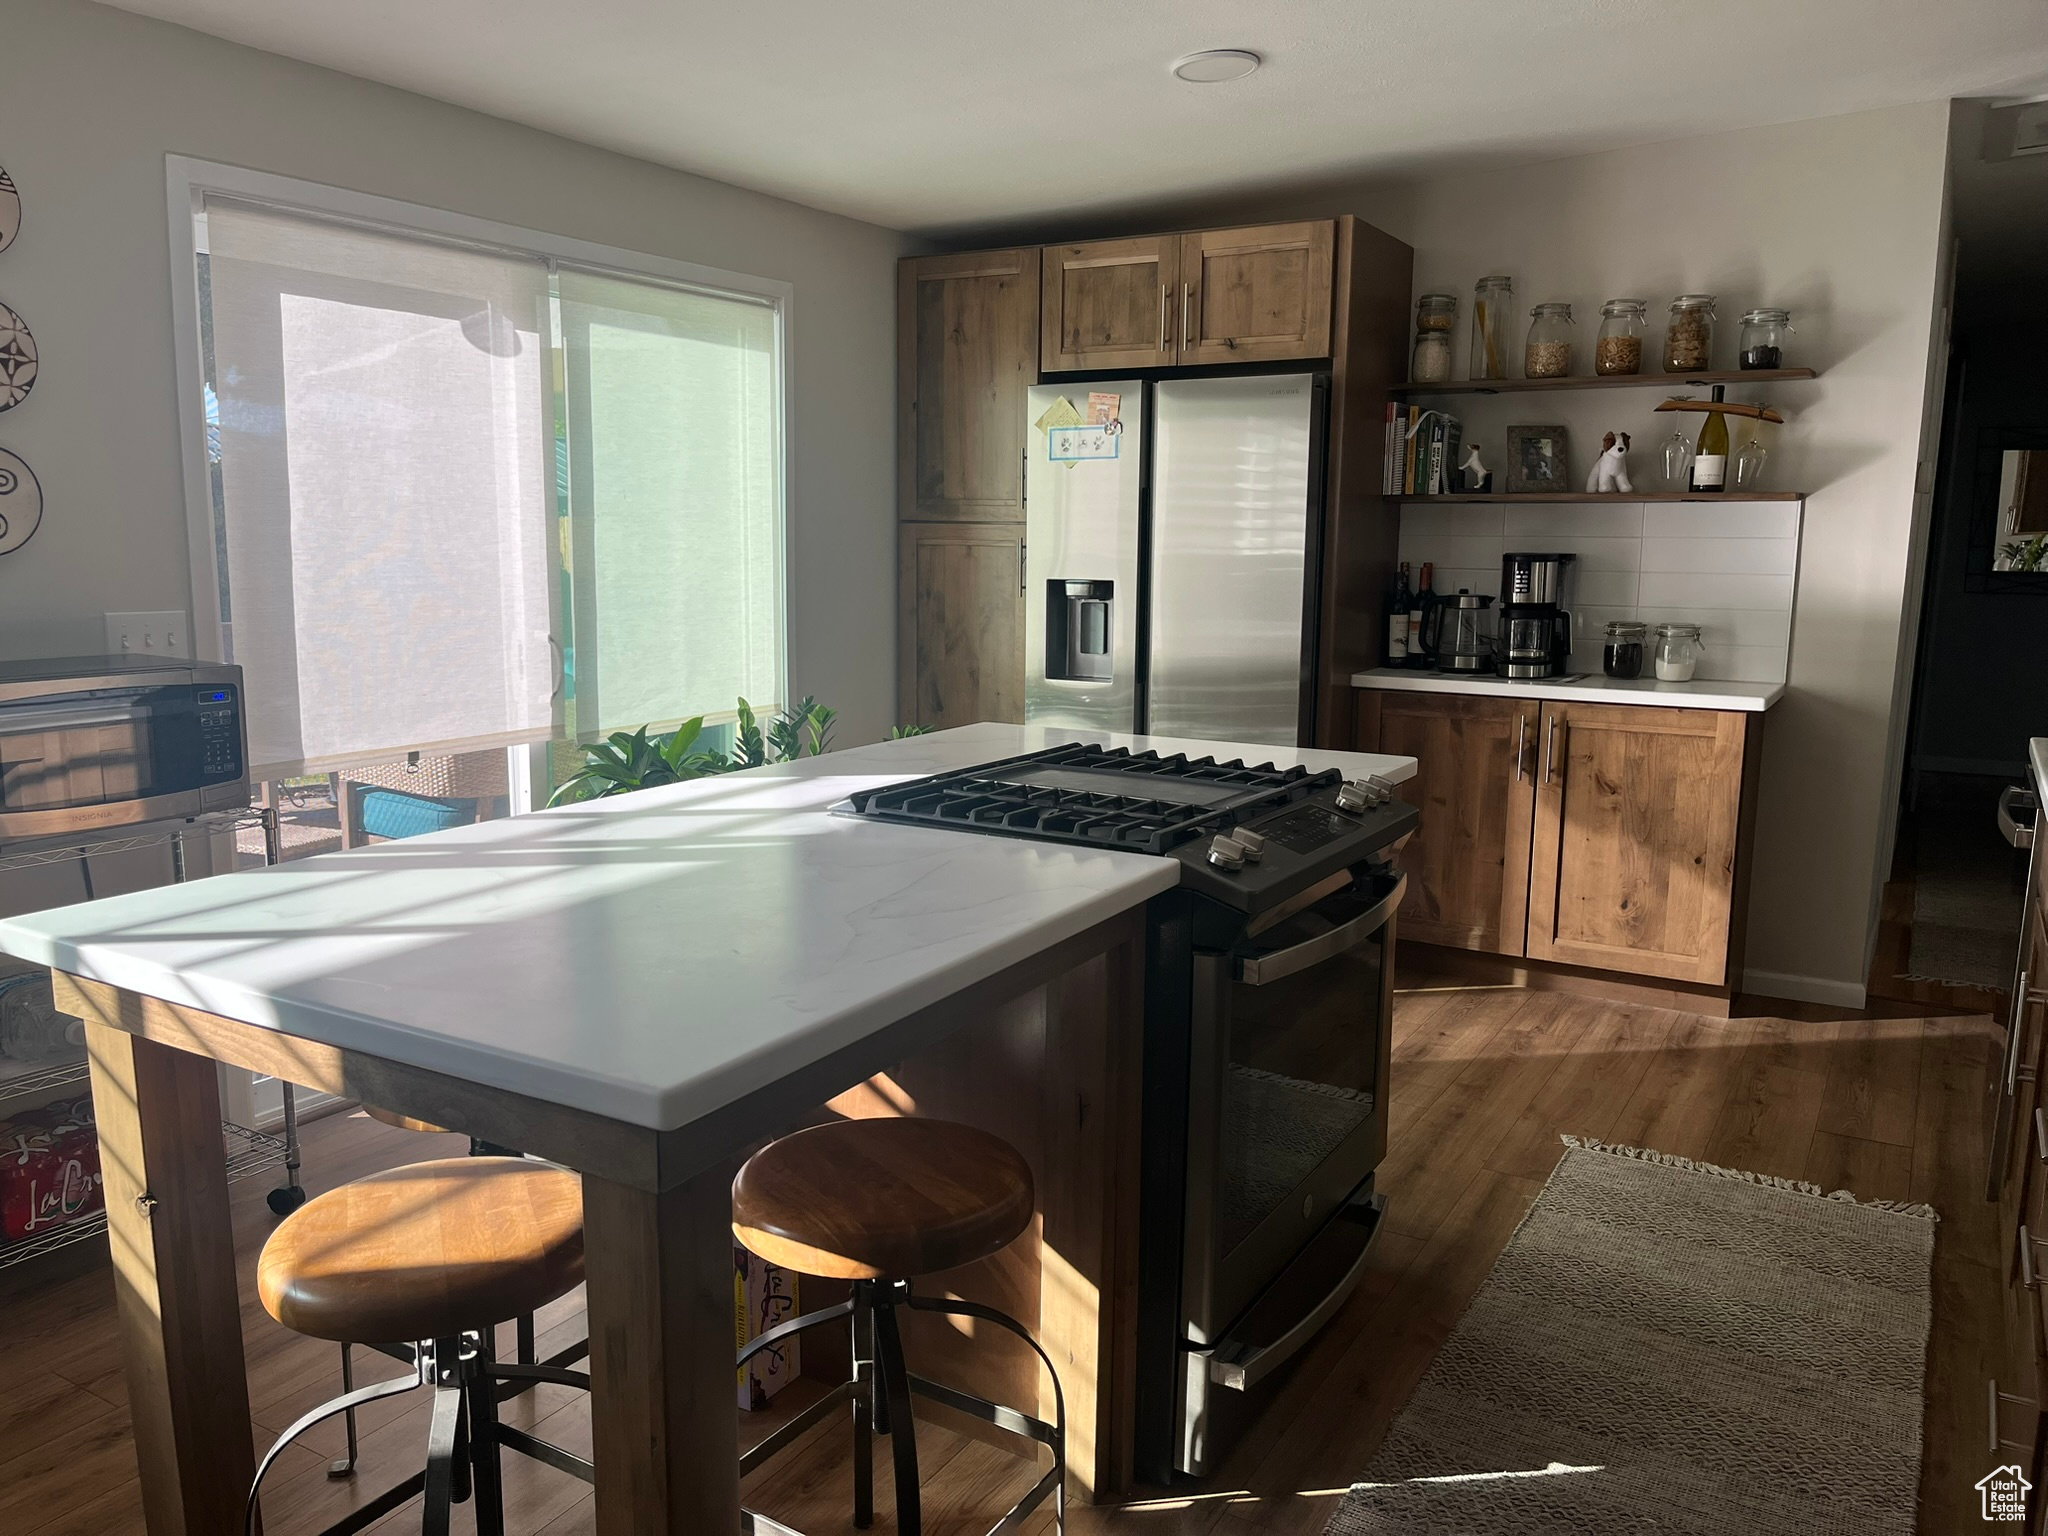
(1397, 619)
(1418, 619)
(1710, 453)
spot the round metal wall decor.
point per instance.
(21, 503)
(17, 360)
(10, 210)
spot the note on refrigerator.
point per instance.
(1060, 413)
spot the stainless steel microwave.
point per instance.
(89, 742)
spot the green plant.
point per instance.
(630, 760)
(901, 732)
(2025, 554)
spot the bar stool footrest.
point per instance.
(1010, 1419)
(782, 1437)
(515, 1439)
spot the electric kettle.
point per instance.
(1462, 642)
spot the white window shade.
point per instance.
(385, 480)
(675, 495)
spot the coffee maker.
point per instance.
(1461, 643)
(1535, 627)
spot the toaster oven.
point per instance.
(93, 742)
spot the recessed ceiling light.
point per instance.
(1217, 65)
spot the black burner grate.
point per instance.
(1095, 796)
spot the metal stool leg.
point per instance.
(441, 1438)
(486, 1474)
(865, 1388)
(902, 1426)
(346, 1467)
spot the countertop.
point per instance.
(2037, 756)
(651, 957)
(1702, 694)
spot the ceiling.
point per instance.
(939, 116)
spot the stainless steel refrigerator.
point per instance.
(1172, 534)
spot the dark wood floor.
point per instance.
(1485, 1080)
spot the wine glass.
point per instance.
(1749, 465)
(1678, 460)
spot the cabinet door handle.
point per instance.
(1164, 289)
(1550, 748)
(1521, 747)
(1186, 335)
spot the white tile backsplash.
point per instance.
(1779, 557)
(1728, 567)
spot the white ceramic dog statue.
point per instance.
(1610, 470)
(1478, 478)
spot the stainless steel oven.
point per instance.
(109, 741)
(1285, 1091)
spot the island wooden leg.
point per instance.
(158, 1113)
(663, 1426)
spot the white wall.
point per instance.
(1838, 220)
(95, 98)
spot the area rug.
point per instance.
(1668, 1346)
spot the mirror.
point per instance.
(2009, 512)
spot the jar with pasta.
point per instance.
(1549, 352)
(1689, 339)
(1619, 349)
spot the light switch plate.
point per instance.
(148, 634)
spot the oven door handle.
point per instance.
(1258, 970)
(1240, 1368)
(2019, 833)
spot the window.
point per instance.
(457, 488)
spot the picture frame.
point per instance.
(1538, 460)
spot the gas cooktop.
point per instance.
(1248, 835)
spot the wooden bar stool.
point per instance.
(882, 1203)
(435, 1255)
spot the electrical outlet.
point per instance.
(148, 634)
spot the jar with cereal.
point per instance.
(1619, 349)
(1435, 316)
(1689, 340)
(1549, 352)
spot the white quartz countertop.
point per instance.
(2037, 756)
(1700, 694)
(651, 957)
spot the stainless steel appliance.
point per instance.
(1186, 541)
(1462, 643)
(1535, 627)
(2019, 817)
(104, 741)
(1268, 1024)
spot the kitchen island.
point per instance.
(640, 989)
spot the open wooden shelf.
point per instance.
(1534, 496)
(1605, 381)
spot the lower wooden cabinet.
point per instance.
(1468, 862)
(2016, 1398)
(960, 637)
(1599, 835)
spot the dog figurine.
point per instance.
(1478, 478)
(1610, 470)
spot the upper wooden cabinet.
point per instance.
(1110, 304)
(1468, 861)
(1255, 295)
(967, 349)
(1638, 813)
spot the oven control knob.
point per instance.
(1253, 843)
(1226, 853)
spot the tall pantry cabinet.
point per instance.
(975, 329)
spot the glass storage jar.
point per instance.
(1678, 652)
(1689, 338)
(1435, 315)
(1549, 352)
(1764, 332)
(1493, 300)
(1619, 349)
(1623, 655)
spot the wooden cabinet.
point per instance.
(1254, 295)
(2016, 1398)
(1638, 811)
(1600, 835)
(1110, 304)
(1468, 862)
(967, 349)
(960, 637)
